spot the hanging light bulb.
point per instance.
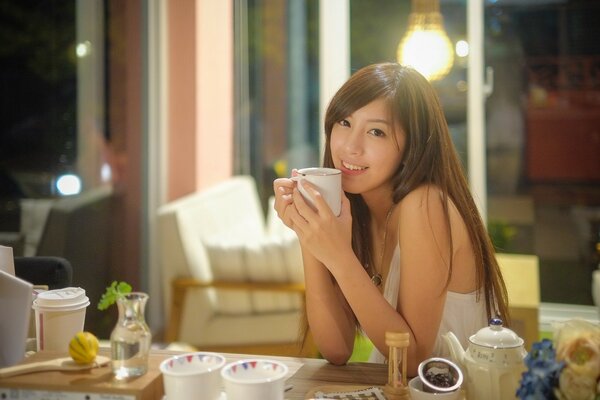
(426, 46)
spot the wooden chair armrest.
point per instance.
(184, 284)
(180, 287)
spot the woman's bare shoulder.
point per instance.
(422, 210)
(426, 194)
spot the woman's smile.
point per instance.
(352, 169)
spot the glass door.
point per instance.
(540, 89)
(543, 140)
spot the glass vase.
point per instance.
(131, 338)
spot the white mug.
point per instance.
(328, 181)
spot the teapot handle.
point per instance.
(456, 349)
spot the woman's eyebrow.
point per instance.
(379, 120)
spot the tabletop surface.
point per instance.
(317, 372)
(313, 373)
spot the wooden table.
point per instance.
(317, 372)
(313, 373)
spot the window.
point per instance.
(71, 102)
(277, 93)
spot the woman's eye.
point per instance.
(344, 122)
(377, 132)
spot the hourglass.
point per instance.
(396, 388)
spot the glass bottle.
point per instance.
(131, 338)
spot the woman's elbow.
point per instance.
(420, 355)
(337, 358)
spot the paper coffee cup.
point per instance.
(59, 315)
(328, 181)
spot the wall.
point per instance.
(200, 81)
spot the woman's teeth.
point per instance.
(352, 167)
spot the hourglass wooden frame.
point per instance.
(396, 388)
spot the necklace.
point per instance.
(377, 278)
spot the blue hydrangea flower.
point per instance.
(541, 377)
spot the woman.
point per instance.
(409, 251)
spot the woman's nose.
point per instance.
(353, 143)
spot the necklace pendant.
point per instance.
(376, 279)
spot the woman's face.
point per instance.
(367, 149)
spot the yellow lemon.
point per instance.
(83, 347)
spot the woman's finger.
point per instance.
(283, 185)
(282, 189)
(299, 223)
(318, 200)
(345, 205)
(301, 204)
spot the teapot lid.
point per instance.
(496, 336)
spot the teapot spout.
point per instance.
(456, 350)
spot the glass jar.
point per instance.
(131, 338)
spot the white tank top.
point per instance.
(463, 314)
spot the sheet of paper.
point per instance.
(372, 393)
(293, 367)
(7, 261)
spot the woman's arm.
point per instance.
(424, 262)
(326, 241)
(422, 233)
(425, 265)
(331, 321)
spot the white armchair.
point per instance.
(232, 281)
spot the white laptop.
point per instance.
(15, 308)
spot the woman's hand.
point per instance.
(282, 188)
(320, 231)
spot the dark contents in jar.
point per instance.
(439, 380)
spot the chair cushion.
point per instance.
(227, 262)
(263, 260)
(202, 329)
(288, 242)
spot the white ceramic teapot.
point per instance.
(493, 362)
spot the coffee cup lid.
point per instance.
(61, 298)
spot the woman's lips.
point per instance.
(352, 169)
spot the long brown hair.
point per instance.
(429, 158)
